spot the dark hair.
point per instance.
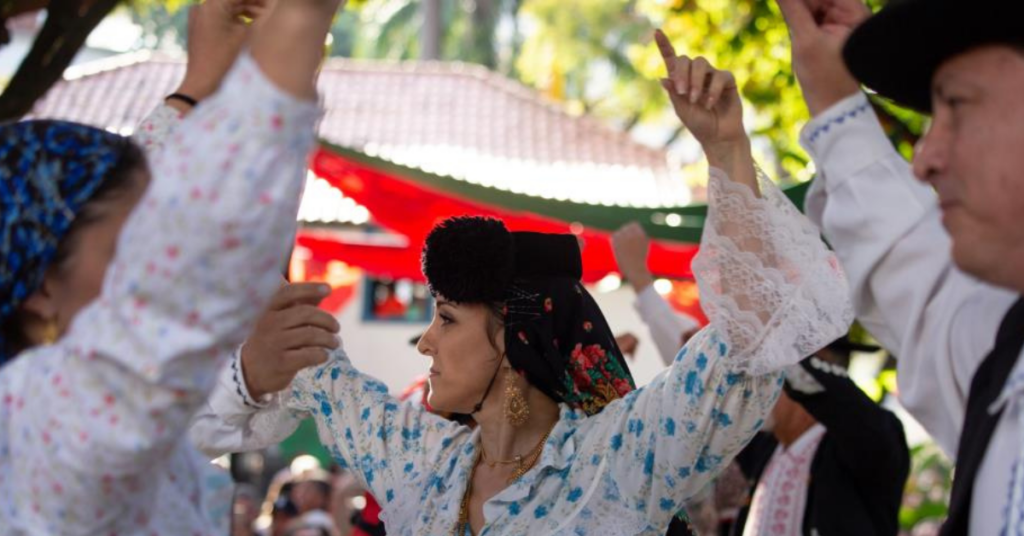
(121, 180)
(285, 506)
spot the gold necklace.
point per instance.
(521, 469)
(523, 463)
(463, 523)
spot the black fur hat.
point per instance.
(475, 259)
(469, 259)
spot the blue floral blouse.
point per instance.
(626, 470)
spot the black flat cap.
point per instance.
(897, 51)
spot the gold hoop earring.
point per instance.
(50, 332)
(515, 407)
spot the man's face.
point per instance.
(310, 495)
(782, 415)
(973, 155)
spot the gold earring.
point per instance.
(516, 409)
(50, 332)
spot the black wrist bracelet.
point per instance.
(183, 98)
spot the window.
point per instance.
(401, 300)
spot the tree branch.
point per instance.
(68, 24)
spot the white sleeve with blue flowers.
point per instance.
(408, 458)
(661, 444)
(630, 468)
(365, 428)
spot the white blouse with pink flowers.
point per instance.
(92, 429)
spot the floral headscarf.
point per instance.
(48, 171)
(554, 331)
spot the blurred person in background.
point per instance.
(245, 509)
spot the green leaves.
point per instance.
(575, 44)
(599, 57)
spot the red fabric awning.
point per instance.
(396, 262)
(412, 209)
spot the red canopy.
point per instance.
(411, 208)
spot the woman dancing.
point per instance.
(564, 444)
(119, 285)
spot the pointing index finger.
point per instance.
(668, 52)
(798, 17)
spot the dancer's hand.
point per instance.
(217, 30)
(289, 46)
(704, 98)
(627, 343)
(291, 335)
(819, 29)
(707, 101)
(630, 245)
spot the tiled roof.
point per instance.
(446, 118)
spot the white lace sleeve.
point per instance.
(766, 279)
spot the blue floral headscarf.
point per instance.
(48, 171)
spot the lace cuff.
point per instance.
(239, 387)
(767, 282)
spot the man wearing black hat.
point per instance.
(829, 460)
(938, 279)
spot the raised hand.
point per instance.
(293, 334)
(217, 30)
(819, 29)
(705, 99)
(630, 245)
(627, 343)
(708, 103)
(289, 46)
